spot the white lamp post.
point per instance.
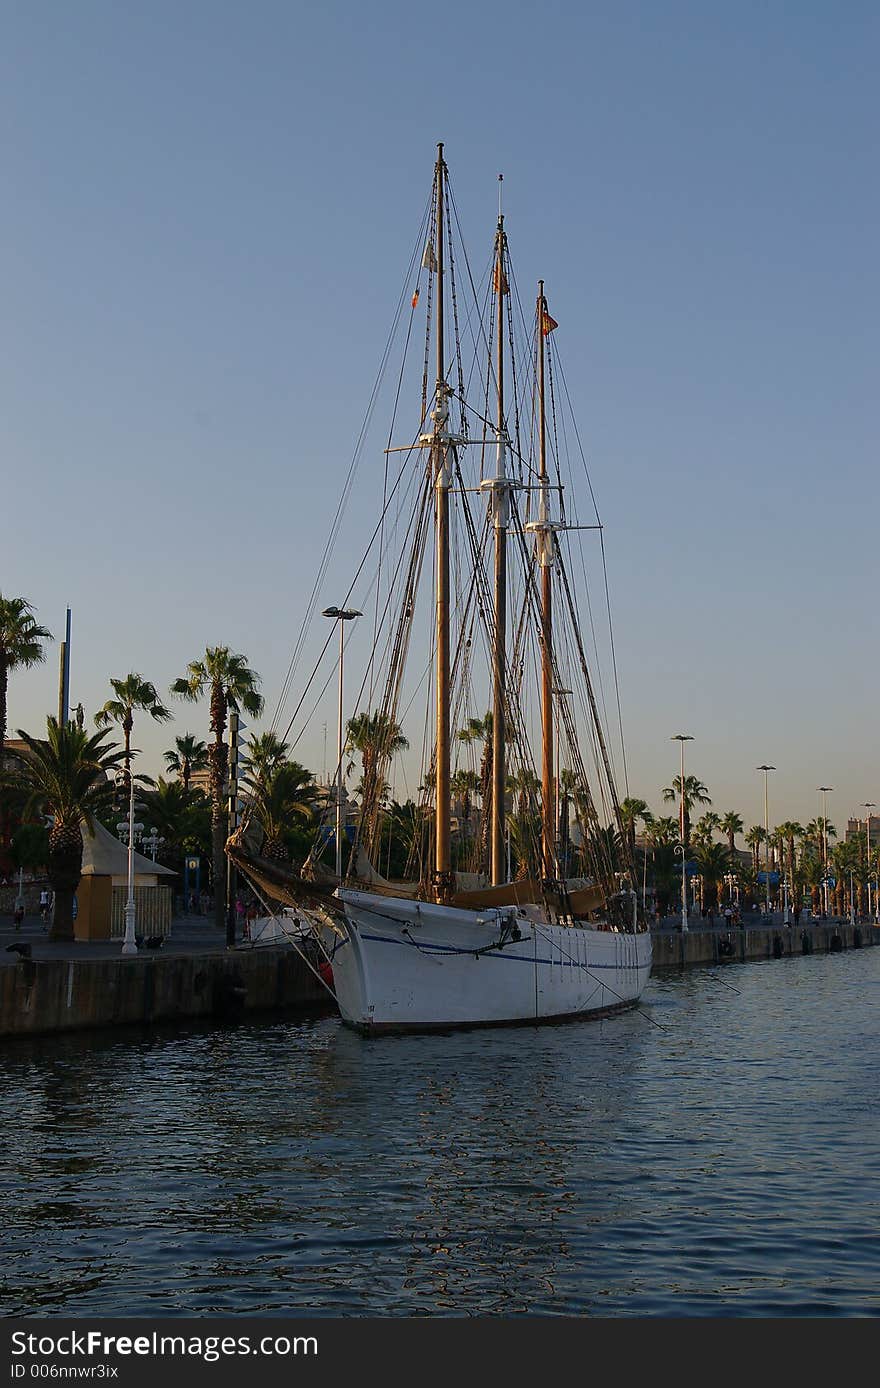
(681, 739)
(868, 805)
(154, 842)
(340, 615)
(824, 792)
(765, 769)
(129, 944)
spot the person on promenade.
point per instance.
(18, 915)
(44, 905)
(797, 916)
(711, 915)
(728, 916)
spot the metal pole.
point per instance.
(765, 769)
(340, 615)
(682, 738)
(868, 805)
(129, 944)
(339, 757)
(824, 791)
(231, 825)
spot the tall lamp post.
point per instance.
(132, 830)
(868, 805)
(765, 769)
(681, 739)
(824, 792)
(340, 615)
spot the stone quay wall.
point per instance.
(48, 995)
(742, 943)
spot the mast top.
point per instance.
(500, 209)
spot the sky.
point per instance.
(208, 212)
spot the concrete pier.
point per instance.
(70, 987)
(718, 945)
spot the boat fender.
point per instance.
(836, 944)
(778, 947)
(326, 973)
(725, 948)
(806, 943)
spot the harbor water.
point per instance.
(715, 1153)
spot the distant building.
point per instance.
(854, 827)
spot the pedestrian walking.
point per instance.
(18, 915)
(44, 905)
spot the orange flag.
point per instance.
(415, 298)
(547, 323)
(499, 280)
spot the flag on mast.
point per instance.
(429, 260)
(547, 323)
(415, 298)
(499, 279)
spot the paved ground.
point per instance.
(189, 935)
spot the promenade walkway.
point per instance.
(189, 935)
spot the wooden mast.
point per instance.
(442, 483)
(544, 532)
(499, 517)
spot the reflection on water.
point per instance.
(724, 1160)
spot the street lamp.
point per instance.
(868, 805)
(340, 615)
(765, 769)
(824, 792)
(682, 738)
(133, 832)
(153, 841)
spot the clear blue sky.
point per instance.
(208, 210)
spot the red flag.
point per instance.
(499, 280)
(547, 323)
(415, 298)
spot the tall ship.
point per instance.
(509, 892)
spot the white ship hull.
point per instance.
(411, 965)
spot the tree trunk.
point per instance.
(65, 870)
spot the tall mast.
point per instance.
(499, 517)
(544, 531)
(442, 483)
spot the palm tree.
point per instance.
(662, 832)
(262, 754)
(464, 784)
(754, 838)
(731, 824)
(284, 795)
(479, 730)
(189, 754)
(21, 646)
(713, 863)
(526, 786)
(706, 826)
(788, 832)
(695, 793)
(377, 738)
(133, 692)
(231, 684)
(65, 776)
(632, 809)
(180, 815)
